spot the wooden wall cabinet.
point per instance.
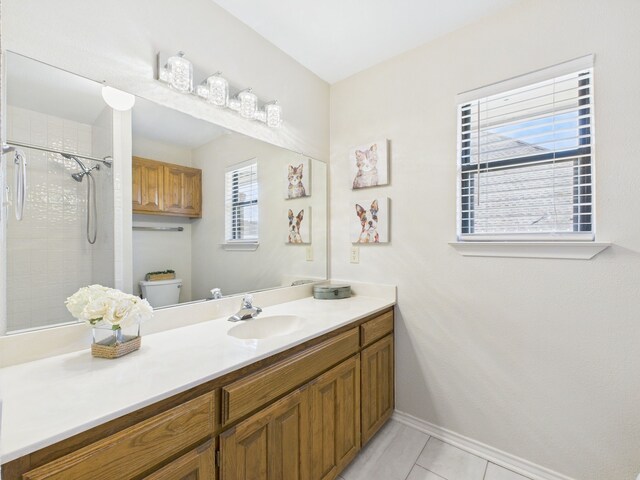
(148, 187)
(166, 189)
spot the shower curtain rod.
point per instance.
(52, 150)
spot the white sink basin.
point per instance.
(267, 327)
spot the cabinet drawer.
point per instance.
(376, 328)
(138, 448)
(250, 393)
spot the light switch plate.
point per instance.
(309, 253)
(355, 254)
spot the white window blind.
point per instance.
(525, 161)
(241, 203)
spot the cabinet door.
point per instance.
(273, 444)
(377, 386)
(183, 190)
(148, 185)
(198, 464)
(335, 411)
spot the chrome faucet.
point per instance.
(247, 311)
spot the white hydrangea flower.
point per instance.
(97, 304)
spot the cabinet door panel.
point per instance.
(183, 190)
(273, 444)
(336, 419)
(377, 386)
(198, 464)
(148, 185)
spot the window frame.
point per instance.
(577, 66)
(233, 209)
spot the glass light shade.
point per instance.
(218, 90)
(117, 99)
(202, 91)
(180, 72)
(248, 103)
(274, 114)
(234, 104)
(261, 116)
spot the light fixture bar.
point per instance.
(181, 75)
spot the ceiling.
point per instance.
(338, 38)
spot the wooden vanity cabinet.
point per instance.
(299, 415)
(166, 189)
(272, 444)
(198, 464)
(141, 448)
(377, 386)
(335, 418)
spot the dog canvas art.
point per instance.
(369, 165)
(370, 224)
(297, 180)
(298, 230)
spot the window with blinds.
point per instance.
(525, 160)
(241, 203)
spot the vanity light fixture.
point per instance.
(218, 88)
(178, 73)
(273, 114)
(248, 103)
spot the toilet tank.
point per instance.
(161, 292)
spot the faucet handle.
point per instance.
(247, 301)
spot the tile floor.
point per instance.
(400, 452)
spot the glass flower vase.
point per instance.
(114, 343)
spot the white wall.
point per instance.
(539, 358)
(274, 262)
(161, 250)
(117, 41)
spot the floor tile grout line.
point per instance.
(436, 474)
(415, 461)
(512, 471)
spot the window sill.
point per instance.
(558, 249)
(240, 246)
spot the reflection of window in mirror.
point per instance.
(241, 202)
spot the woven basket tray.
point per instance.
(114, 351)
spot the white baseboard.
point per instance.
(487, 452)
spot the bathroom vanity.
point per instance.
(204, 402)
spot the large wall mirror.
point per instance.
(212, 211)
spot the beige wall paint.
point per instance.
(539, 358)
(117, 41)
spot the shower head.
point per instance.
(78, 176)
(73, 157)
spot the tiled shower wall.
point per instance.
(49, 257)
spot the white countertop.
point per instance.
(52, 399)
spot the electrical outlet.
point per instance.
(309, 253)
(355, 254)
